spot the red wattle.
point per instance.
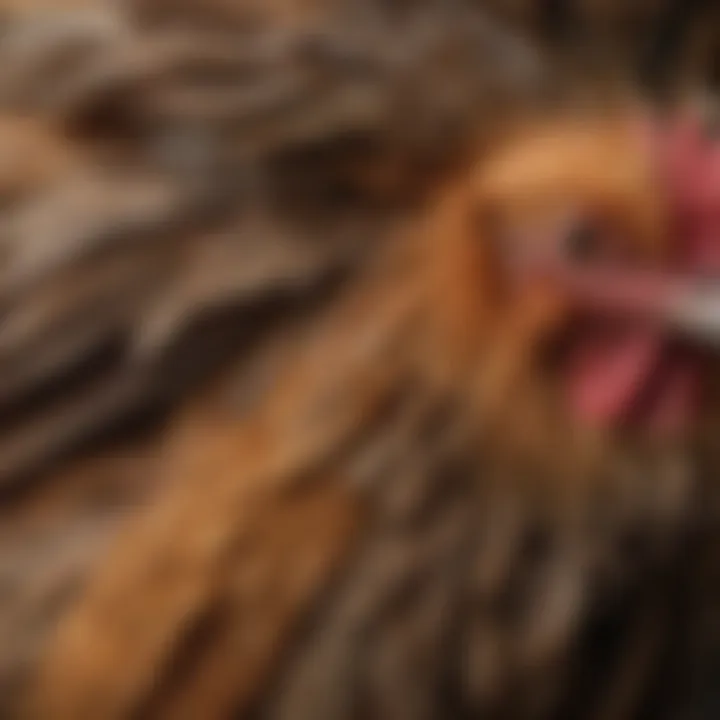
(606, 373)
(675, 399)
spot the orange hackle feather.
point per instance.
(191, 610)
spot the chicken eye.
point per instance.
(582, 241)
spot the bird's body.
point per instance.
(276, 439)
(443, 536)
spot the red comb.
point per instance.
(688, 161)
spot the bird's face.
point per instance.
(612, 228)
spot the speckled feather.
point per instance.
(211, 188)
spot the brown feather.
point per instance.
(259, 446)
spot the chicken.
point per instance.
(417, 516)
(339, 379)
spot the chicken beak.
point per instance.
(694, 312)
(686, 306)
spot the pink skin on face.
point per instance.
(630, 368)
